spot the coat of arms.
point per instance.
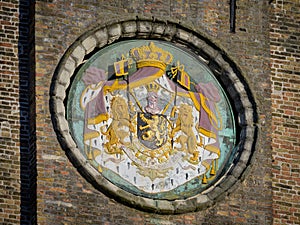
(149, 123)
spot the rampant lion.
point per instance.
(187, 140)
(156, 129)
(118, 131)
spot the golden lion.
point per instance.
(118, 131)
(185, 124)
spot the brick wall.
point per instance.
(9, 114)
(265, 46)
(285, 77)
(26, 55)
(64, 197)
(17, 113)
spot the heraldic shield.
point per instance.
(152, 130)
(149, 126)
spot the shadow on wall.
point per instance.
(26, 55)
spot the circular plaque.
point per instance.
(151, 118)
(165, 124)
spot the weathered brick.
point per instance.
(282, 73)
(266, 34)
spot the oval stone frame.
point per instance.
(225, 70)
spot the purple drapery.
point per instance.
(204, 99)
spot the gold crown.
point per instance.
(151, 55)
(152, 87)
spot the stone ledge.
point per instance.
(158, 29)
(102, 37)
(64, 77)
(213, 53)
(203, 202)
(165, 207)
(89, 44)
(182, 35)
(183, 206)
(196, 41)
(114, 32)
(237, 170)
(76, 157)
(214, 193)
(59, 91)
(59, 107)
(144, 28)
(62, 126)
(78, 54)
(70, 143)
(70, 65)
(228, 182)
(129, 28)
(169, 32)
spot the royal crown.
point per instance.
(151, 55)
(152, 87)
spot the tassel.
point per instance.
(100, 168)
(89, 155)
(213, 169)
(204, 180)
